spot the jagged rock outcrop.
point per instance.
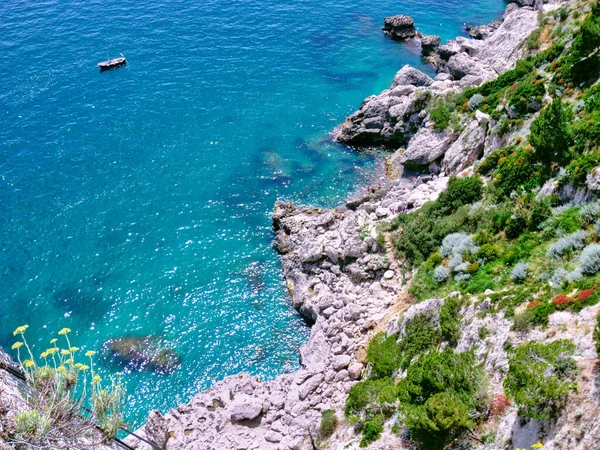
(466, 149)
(394, 116)
(408, 75)
(425, 147)
(429, 44)
(399, 27)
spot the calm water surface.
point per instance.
(137, 202)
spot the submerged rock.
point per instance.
(143, 353)
(399, 27)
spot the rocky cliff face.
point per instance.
(348, 283)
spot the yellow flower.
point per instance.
(62, 369)
(28, 363)
(538, 445)
(65, 352)
(78, 365)
(69, 361)
(52, 351)
(83, 367)
(53, 341)
(90, 353)
(74, 349)
(96, 379)
(17, 345)
(20, 330)
(64, 331)
(44, 355)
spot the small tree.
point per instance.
(461, 191)
(442, 396)
(549, 134)
(536, 379)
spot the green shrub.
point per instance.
(533, 40)
(524, 321)
(549, 134)
(533, 381)
(450, 321)
(442, 396)
(32, 426)
(371, 395)
(488, 252)
(517, 170)
(440, 115)
(461, 191)
(329, 423)
(528, 90)
(383, 355)
(372, 430)
(420, 336)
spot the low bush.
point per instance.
(372, 430)
(589, 260)
(549, 134)
(420, 336)
(450, 321)
(440, 114)
(520, 272)
(518, 170)
(567, 244)
(371, 396)
(461, 191)
(533, 381)
(329, 423)
(488, 252)
(441, 274)
(59, 387)
(442, 396)
(383, 355)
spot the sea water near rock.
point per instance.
(137, 202)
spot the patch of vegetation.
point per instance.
(460, 191)
(537, 380)
(59, 387)
(442, 397)
(384, 355)
(329, 423)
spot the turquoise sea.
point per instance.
(137, 202)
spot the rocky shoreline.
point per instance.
(339, 277)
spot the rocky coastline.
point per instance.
(346, 281)
(339, 277)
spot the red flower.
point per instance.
(562, 299)
(585, 294)
(499, 404)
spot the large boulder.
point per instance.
(399, 27)
(410, 76)
(425, 147)
(429, 44)
(143, 353)
(466, 149)
(245, 407)
(462, 65)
